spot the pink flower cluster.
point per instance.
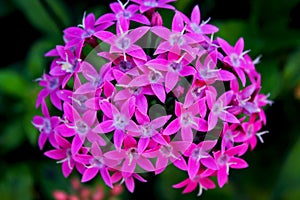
(129, 95)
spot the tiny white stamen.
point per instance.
(259, 135)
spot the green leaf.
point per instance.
(291, 72)
(11, 137)
(12, 83)
(272, 81)
(61, 11)
(16, 183)
(231, 30)
(6, 7)
(36, 61)
(288, 185)
(38, 16)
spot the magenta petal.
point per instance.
(143, 143)
(193, 167)
(187, 134)
(128, 166)
(238, 163)
(171, 81)
(173, 127)
(159, 91)
(89, 174)
(115, 155)
(160, 121)
(177, 24)
(118, 138)
(42, 140)
(196, 16)
(129, 182)
(106, 177)
(159, 139)
(181, 184)
(145, 164)
(228, 117)
(180, 163)
(66, 169)
(77, 143)
(212, 121)
(239, 46)
(104, 127)
(65, 131)
(161, 162)
(57, 154)
(222, 176)
(209, 163)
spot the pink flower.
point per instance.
(96, 163)
(46, 125)
(226, 160)
(202, 179)
(218, 109)
(199, 154)
(120, 11)
(146, 5)
(51, 88)
(235, 57)
(119, 120)
(186, 121)
(77, 36)
(124, 42)
(128, 178)
(79, 127)
(195, 25)
(175, 39)
(64, 155)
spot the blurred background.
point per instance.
(270, 28)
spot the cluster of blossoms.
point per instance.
(154, 96)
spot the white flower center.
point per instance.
(120, 122)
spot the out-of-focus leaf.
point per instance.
(5, 7)
(291, 73)
(16, 183)
(11, 137)
(30, 131)
(271, 78)
(61, 11)
(288, 185)
(231, 30)
(36, 61)
(38, 16)
(12, 83)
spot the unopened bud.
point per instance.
(156, 19)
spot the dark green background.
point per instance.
(271, 28)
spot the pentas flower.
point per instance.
(186, 121)
(202, 179)
(96, 163)
(124, 42)
(51, 87)
(227, 159)
(63, 154)
(176, 39)
(195, 25)
(235, 57)
(120, 11)
(146, 97)
(219, 109)
(77, 36)
(46, 124)
(66, 65)
(119, 120)
(146, 5)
